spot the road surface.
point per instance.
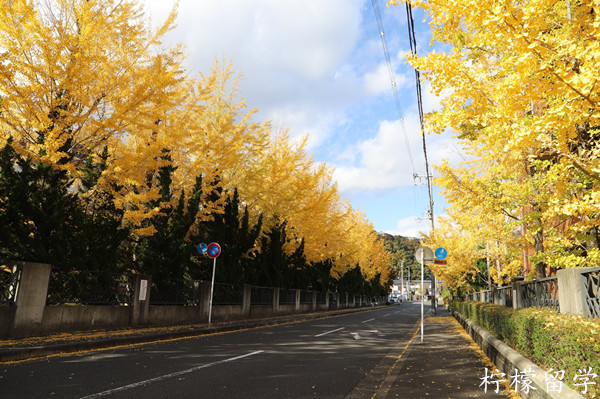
(323, 358)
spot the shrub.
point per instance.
(546, 337)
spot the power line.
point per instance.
(413, 49)
(392, 79)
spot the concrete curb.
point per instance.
(507, 360)
(48, 349)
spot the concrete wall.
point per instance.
(30, 316)
(7, 315)
(74, 318)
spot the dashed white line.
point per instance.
(366, 321)
(166, 376)
(329, 332)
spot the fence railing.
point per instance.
(306, 296)
(505, 296)
(174, 292)
(10, 275)
(89, 288)
(261, 295)
(592, 291)
(287, 297)
(540, 293)
(579, 292)
(227, 294)
(84, 287)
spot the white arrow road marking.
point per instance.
(377, 332)
(164, 377)
(358, 336)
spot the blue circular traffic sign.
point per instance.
(213, 250)
(201, 248)
(441, 253)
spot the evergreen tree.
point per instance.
(236, 238)
(167, 253)
(272, 260)
(104, 237)
(41, 218)
(352, 282)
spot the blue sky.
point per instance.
(317, 67)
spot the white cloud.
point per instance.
(383, 160)
(292, 54)
(378, 81)
(411, 227)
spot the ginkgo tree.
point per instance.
(520, 85)
(79, 76)
(90, 90)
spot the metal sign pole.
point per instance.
(422, 290)
(212, 286)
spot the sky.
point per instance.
(318, 68)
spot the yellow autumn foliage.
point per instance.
(81, 76)
(521, 93)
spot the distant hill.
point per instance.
(403, 249)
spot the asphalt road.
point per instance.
(323, 358)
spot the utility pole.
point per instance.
(402, 277)
(413, 49)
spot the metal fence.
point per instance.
(261, 295)
(540, 293)
(333, 300)
(320, 297)
(306, 296)
(9, 281)
(505, 296)
(592, 291)
(228, 294)
(89, 288)
(287, 297)
(174, 292)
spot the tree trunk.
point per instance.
(540, 267)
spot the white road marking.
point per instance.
(329, 332)
(386, 315)
(166, 376)
(356, 335)
(367, 320)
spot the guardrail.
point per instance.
(573, 290)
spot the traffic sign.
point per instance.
(440, 262)
(213, 250)
(201, 248)
(441, 253)
(425, 254)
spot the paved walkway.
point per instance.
(447, 364)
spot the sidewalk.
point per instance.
(447, 364)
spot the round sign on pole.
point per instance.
(424, 253)
(201, 248)
(441, 253)
(213, 250)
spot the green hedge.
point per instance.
(546, 337)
